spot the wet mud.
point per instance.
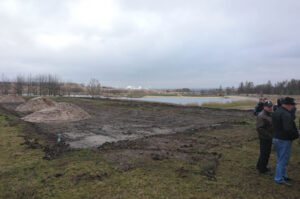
(135, 134)
(115, 120)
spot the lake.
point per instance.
(180, 100)
(191, 100)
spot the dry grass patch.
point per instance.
(242, 105)
(193, 104)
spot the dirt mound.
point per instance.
(62, 112)
(11, 99)
(36, 104)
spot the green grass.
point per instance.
(163, 95)
(87, 174)
(135, 95)
(28, 97)
(231, 105)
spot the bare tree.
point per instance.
(42, 84)
(241, 88)
(19, 84)
(291, 87)
(5, 85)
(29, 84)
(94, 88)
(53, 85)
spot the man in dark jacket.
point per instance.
(293, 111)
(265, 132)
(260, 106)
(279, 100)
(285, 131)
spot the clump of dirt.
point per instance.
(54, 151)
(62, 112)
(36, 104)
(11, 99)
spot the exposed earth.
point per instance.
(36, 104)
(129, 149)
(116, 120)
(60, 113)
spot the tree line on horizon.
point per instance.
(52, 85)
(45, 85)
(287, 87)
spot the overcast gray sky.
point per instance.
(153, 43)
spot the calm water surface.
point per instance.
(187, 100)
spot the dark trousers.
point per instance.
(265, 150)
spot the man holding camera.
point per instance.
(265, 132)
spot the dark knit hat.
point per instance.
(268, 103)
(288, 101)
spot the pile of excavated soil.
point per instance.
(62, 112)
(36, 104)
(11, 99)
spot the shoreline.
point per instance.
(205, 97)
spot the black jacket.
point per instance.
(258, 108)
(264, 125)
(284, 125)
(275, 107)
(293, 112)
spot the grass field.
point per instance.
(242, 105)
(88, 174)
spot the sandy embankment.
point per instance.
(61, 112)
(45, 110)
(36, 104)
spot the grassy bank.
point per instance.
(242, 105)
(88, 174)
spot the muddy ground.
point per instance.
(192, 157)
(131, 134)
(115, 120)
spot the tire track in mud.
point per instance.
(193, 148)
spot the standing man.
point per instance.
(260, 106)
(279, 100)
(285, 131)
(264, 128)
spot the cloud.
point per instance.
(152, 43)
